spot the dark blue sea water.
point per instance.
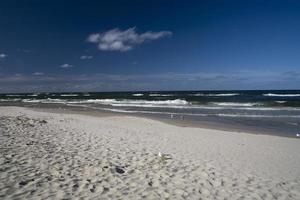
(277, 109)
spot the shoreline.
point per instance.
(205, 122)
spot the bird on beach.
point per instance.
(164, 156)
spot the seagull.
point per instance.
(159, 154)
(164, 156)
(298, 135)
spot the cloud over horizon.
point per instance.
(66, 66)
(3, 55)
(124, 40)
(86, 57)
(38, 73)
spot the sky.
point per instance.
(139, 45)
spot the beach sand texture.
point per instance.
(68, 156)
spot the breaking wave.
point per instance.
(138, 95)
(233, 104)
(281, 95)
(216, 95)
(161, 95)
(136, 102)
(69, 95)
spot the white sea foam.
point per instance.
(48, 100)
(215, 95)
(233, 104)
(281, 95)
(280, 101)
(69, 95)
(150, 105)
(137, 102)
(138, 95)
(14, 95)
(32, 95)
(176, 104)
(31, 101)
(54, 101)
(161, 95)
(102, 101)
(226, 95)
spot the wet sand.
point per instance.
(253, 126)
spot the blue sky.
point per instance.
(149, 45)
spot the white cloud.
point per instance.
(3, 55)
(118, 40)
(85, 57)
(66, 66)
(38, 73)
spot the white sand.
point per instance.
(82, 157)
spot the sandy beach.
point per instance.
(70, 156)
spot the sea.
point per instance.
(261, 111)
